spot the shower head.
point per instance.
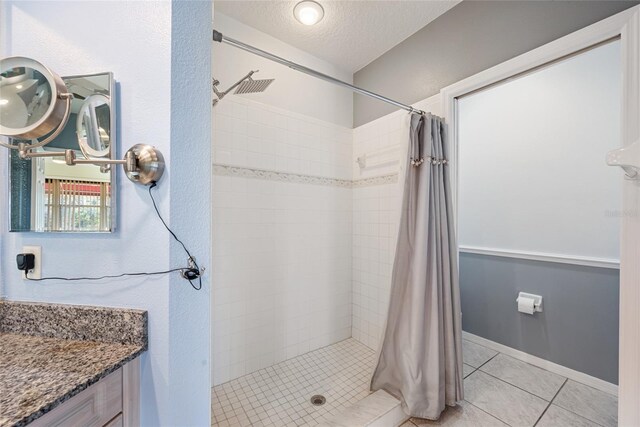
(245, 85)
(249, 85)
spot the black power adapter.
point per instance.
(26, 262)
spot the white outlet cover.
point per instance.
(36, 273)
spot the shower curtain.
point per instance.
(420, 358)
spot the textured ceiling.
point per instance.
(352, 33)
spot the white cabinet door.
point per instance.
(93, 407)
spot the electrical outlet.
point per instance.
(36, 273)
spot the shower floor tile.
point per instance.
(280, 394)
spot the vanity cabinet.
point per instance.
(111, 402)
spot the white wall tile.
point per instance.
(297, 266)
(250, 134)
(376, 211)
(282, 251)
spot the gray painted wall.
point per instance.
(471, 37)
(578, 327)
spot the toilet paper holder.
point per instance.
(537, 300)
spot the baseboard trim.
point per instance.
(572, 374)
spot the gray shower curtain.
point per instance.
(420, 358)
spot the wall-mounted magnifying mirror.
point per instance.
(93, 125)
(34, 102)
(47, 194)
(64, 181)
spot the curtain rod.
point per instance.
(218, 37)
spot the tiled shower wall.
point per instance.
(303, 240)
(282, 237)
(375, 224)
(376, 211)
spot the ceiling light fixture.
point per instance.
(308, 12)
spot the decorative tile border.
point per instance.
(376, 180)
(237, 171)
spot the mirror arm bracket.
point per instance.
(143, 164)
(97, 162)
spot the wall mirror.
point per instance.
(45, 193)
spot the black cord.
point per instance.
(193, 272)
(103, 277)
(189, 273)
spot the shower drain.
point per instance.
(318, 400)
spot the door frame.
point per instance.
(625, 26)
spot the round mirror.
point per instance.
(93, 126)
(34, 102)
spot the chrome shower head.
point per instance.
(246, 85)
(253, 86)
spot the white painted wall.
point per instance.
(376, 215)
(533, 176)
(143, 44)
(292, 90)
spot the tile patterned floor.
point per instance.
(503, 391)
(499, 391)
(279, 395)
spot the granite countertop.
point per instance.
(51, 352)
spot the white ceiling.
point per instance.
(352, 33)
